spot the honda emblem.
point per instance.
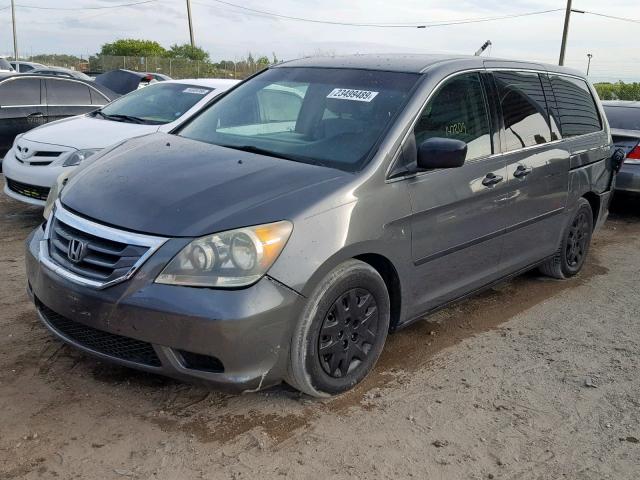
(76, 250)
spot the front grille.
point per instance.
(101, 259)
(110, 344)
(26, 190)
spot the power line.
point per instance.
(632, 20)
(428, 24)
(104, 7)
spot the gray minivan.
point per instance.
(287, 228)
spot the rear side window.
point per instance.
(22, 91)
(63, 92)
(524, 109)
(458, 110)
(576, 106)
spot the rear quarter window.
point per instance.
(576, 106)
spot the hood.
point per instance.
(171, 186)
(87, 132)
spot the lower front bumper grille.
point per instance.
(26, 190)
(110, 344)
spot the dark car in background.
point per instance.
(27, 101)
(124, 81)
(286, 228)
(624, 120)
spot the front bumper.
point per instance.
(628, 178)
(247, 330)
(32, 179)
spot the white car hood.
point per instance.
(87, 132)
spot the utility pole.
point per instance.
(565, 32)
(589, 63)
(15, 37)
(193, 43)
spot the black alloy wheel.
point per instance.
(348, 332)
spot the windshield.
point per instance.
(156, 104)
(332, 117)
(624, 118)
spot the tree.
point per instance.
(187, 51)
(130, 47)
(262, 62)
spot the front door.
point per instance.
(457, 221)
(21, 109)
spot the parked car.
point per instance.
(41, 155)
(27, 101)
(24, 67)
(277, 236)
(125, 81)
(61, 72)
(5, 66)
(624, 119)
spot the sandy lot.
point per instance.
(533, 379)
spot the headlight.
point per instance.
(235, 258)
(54, 193)
(78, 156)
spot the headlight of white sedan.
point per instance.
(78, 156)
(234, 258)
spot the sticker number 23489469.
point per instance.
(349, 94)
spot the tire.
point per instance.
(571, 254)
(336, 344)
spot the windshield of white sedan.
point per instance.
(156, 104)
(331, 117)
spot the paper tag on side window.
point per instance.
(197, 91)
(349, 94)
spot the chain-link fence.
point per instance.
(174, 67)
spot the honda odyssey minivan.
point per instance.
(287, 228)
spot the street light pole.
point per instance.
(15, 37)
(565, 32)
(589, 63)
(193, 43)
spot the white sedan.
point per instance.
(40, 155)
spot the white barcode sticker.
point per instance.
(349, 94)
(197, 91)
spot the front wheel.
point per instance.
(571, 255)
(342, 331)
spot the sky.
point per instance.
(230, 33)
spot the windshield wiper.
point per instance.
(269, 153)
(125, 118)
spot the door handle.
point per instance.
(491, 179)
(522, 171)
(35, 115)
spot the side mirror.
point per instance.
(441, 153)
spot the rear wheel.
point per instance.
(571, 255)
(342, 331)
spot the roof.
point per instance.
(110, 94)
(207, 82)
(621, 103)
(413, 63)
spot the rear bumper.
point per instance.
(247, 330)
(628, 179)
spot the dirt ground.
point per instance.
(533, 379)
